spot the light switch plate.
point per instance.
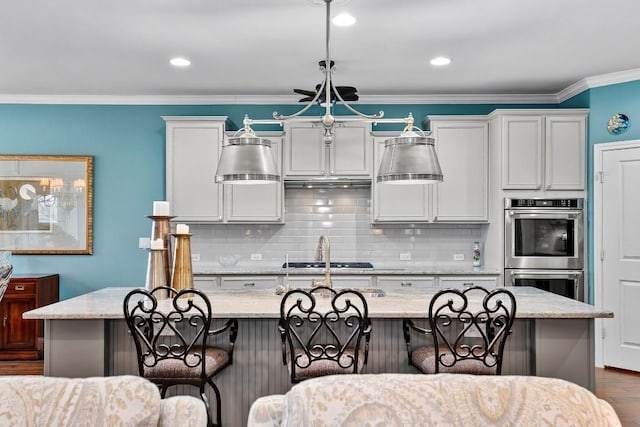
(144, 242)
(458, 257)
(256, 257)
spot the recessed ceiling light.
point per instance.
(343, 20)
(440, 61)
(180, 62)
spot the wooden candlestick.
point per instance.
(156, 272)
(182, 271)
(161, 229)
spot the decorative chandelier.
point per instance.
(408, 158)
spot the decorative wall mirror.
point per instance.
(46, 204)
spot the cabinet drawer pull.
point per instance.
(467, 284)
(19, 288)
(249, 284)
(406, 284)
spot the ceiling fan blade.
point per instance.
(305, 92)
(307, 99)
(345, 89)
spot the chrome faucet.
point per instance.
(323, 242)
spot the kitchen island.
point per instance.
(553, 336)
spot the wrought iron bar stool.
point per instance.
(324, 332)
(171, 338)
(468, 329)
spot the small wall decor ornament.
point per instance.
(618, 124)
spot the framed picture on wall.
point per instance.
(46, 204)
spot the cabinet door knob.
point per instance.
(406, 284)
(4, 322)
(19, 288)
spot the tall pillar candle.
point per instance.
(161, 208)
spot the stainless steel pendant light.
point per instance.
(246, 159)
(410, 157)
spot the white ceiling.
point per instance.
(269, 47)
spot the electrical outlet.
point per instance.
(256, 257)
(144, 242)
(195, 257)
(406, 256)
(458, 257)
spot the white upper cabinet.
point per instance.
(193, 147)
(397, 202)
(565, 144)
(542, 150)
(306, 155)
(258, 203)
(462, 145)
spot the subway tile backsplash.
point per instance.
(344, 216)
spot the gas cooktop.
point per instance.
(332, 265)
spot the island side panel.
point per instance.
(565, 348)
(75, 348)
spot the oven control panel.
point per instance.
(544, 203)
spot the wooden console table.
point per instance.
(22, 339)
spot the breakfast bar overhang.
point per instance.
(553, 336)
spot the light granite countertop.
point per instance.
(107, 304)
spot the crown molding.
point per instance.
(551, 98)
(272, 99)
(597, 81)
(460, 99)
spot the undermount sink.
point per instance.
(366, 292)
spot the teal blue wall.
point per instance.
(604, 102)
(128, 145)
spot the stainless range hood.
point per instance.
(327, 182)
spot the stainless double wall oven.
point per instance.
(544, 245)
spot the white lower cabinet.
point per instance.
(460, 282)
(205, 283)
(248, 282)
(406, 282)
(354, 281)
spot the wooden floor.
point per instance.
(620, 388)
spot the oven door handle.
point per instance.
(550, 215)
(544, 275)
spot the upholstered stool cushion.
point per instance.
(319, 368)
(216, 359)
(424, 358)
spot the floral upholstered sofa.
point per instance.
(101, 401)
(433, 400)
